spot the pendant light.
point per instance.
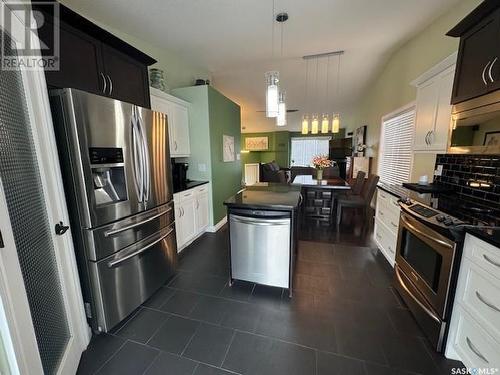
(315, 121)
(281, 118)
(305, 118)
(336, 123)
(325, 122)
(272, 79)
(314, 125)
(336, 117)
(272, 94)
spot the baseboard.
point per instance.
(216, 227)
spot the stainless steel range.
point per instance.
(428, 255)
(116, 168)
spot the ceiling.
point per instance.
(232, 39)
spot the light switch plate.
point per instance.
(439, 170)
(202, 167)
(238, 156)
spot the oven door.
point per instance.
(426, 258)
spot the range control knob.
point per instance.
(448, 221)
(440, 218)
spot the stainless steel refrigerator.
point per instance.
(117, 174)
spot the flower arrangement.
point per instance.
(321, 161)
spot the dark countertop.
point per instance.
(188, 185)
(335, 183)
(267, 195)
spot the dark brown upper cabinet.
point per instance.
(478, 63)
(93, 60)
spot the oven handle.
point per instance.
(409, 225)
(425, 308)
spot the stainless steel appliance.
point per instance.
(260, 246)
(425, 260)
(116, 169)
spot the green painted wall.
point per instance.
(212, 115)
(225, 119)
(391, 89)
(179, 72)
(279, 148)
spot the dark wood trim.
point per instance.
(481, 11)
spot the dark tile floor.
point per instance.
(344, 318)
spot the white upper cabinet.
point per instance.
(177, 118)
(433, 113)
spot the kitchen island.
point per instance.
(262, 223)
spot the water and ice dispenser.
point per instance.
(108, 175)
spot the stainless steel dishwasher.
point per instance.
(260, 246)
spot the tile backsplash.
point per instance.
(475, 178)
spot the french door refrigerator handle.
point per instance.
(145, 160)
(136, 156)
(127, 227)
(115, 262)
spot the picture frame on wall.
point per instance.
(257, 143)
(492, 139)
(228, 148)
(359, 141)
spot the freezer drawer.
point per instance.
(123, 281)
(260, 250)
(108, 239)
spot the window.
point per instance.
(304, 149)
(396, 146)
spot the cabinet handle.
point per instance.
(489, 260)
(378, 236)
(431, 137)
(390, 249)
(490, 69)
(197, 204)
(110, 85)
(104, 83)
(427, 138)
(489, 304)
(484, 72)
(474, 350)
(394, 225)
(381, 213)
(175, 145)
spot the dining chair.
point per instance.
(356, 201)
(357, 185)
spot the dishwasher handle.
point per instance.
(259, 221)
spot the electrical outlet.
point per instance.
(238, 157)
(439, 170)
(202, 167)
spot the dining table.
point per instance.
(319, 196)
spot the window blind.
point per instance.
(396, 151)
(304, 149)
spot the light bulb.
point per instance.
(281, 118)
(314, 125)
(325, 124)
(336, 124)
(272, 94)
(305, 125)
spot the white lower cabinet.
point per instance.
(474, 336)
(387, 225)
(191, 214)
